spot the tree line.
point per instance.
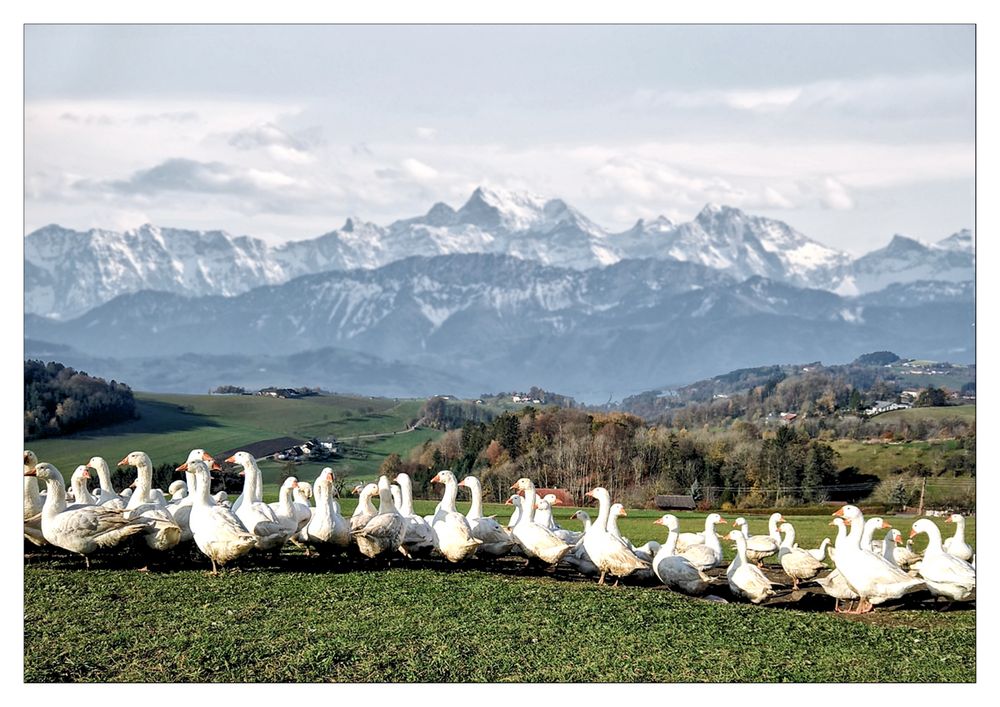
(59, 400)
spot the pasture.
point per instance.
(315, 620)
(171, 425)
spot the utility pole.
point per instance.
(923, 486)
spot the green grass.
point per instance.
(171, 425)
(962, 412)
(312, 621)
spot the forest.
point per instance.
(59, 400)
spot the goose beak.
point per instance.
(182, 467)
(839, 512)
(721, 520)
(514, 486)
(231, 460)
(508, 502)
(589, 494)
(885, 526)
(215, 466)
(295, 484)
(658, 521)
(913, 533)
(462, 483)
(436, 479)
(86, 474)
(124, 462)
(31, 472)
(623, 512)
(948, 520)
(205, 456)
(734, 524)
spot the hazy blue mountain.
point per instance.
(482, 322)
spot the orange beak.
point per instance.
(734, 524)
(557, 502)
(215, 466)
(436, 479)
(32, 472)
(231, 460)
(885, 526)
(242, 473)
(86, 474)
(295, 484)
(536, 506)
(623, 512)
(721, 520)
(913, 533)
(514, 486)
(462, 483)
(658, 521)
(182, 467)
(205, 456)
(124, 462)
(508, 502)
(839, 512)
(948, 520)
(589, 494)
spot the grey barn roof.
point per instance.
(263, 448)
(666, 502)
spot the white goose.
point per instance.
(78, 481)
(532, 538)
(384, 532)
(291, 515)
(257, 517)
(578, 558)
(178, 491)
(834, 583)
(956, 545)
(327, 530)
(496, 542)
(216, 530)
(515, 515)
(645, 552)
(874, 579)
(760, 547)
(33, 502)
(106, 495)
(181, 510)
(896, 552)
(609, 553)
(365, 510)
(453, 536)
(419, 538)
(798, 564)
(745, 579)
(162, 533)
(84, 529)
(676, 571)
(819, 553)
(945, 574)
(708, 554)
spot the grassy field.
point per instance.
(307, 619)
(962, 412)
(171, 425)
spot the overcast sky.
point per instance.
(847, 133)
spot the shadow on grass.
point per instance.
(155, 417)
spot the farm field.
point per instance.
(314, 620)
(962, 412)
(172, 425)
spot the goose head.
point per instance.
(514, 500)
(739, 522)
(848, 513)
(552, 499)
(581, 516)
(177, 487)
(80, 473)
(30, 460)
(714, 518)
(618, 511)
(894, 536)
(924, 525)
(136, 459)
(306, 489)
(523, 484)
(44, 472)
(126, 493)
(199, 455)
(244, 459)
(443, 477)
(472, 483)
(736, 536)
(600, 494)
(954, 518)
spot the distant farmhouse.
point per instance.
(667, 502)
(880, 406)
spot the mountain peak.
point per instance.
(901, 243)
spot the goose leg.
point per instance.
(601, 580)
(86, 561)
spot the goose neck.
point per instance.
(789, 539)
(55, 496)
(603, 512)
(406, 494)
(476, 492)
(528, 505)
(450, 495)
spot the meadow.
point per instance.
(308, 619)
(171, 425)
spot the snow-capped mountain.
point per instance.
(952, 259)
(70, 272)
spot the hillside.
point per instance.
(171, 425)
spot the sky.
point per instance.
(849, 133)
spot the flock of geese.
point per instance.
(866, 570)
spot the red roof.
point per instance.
(565, 499)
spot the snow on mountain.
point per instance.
(906, 260)
(69, 272)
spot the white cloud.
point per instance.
(426, 133)
(835, 195)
